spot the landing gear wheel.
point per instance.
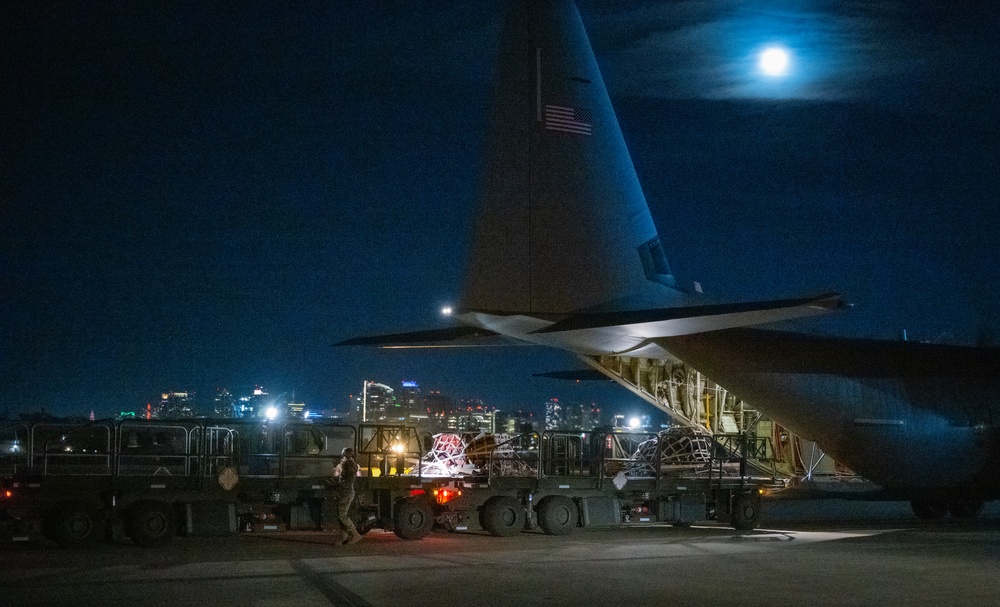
(965, 509)
(929, 510)
(414, 519)
(502, 516)
(151, 523)
(557, 515)
(746, 511)
(75, 524)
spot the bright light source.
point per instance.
(446, 311)
(397, 448)
(271, 413)
(443, 496)
(773, 61)
(634, 422)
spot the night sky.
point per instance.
(197, 195)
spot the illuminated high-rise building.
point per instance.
(176, 405)
(295, 409)
(515, 422)
(377, 403)
(409, 402)
(560, 415)
(254, 405)
(437, 404)
(223, 404)
(583, 416)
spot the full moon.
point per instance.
(774, 61)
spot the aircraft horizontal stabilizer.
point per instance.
(665, 322)
(575, 375)
(452, 337)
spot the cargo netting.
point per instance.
(459, 455)
(677, 446)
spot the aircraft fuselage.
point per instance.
(915, 418)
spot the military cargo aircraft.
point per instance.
(566, 255)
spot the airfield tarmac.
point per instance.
(818, 553)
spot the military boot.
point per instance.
(352, 537)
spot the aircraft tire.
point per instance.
(929, 510)
(558, 515)
(414, 519)
(74, 524)
(966, 510)
(151, 523)
(745, 512)
(502, 516)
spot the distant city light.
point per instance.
(773, 61)
(272, 412)
(446, 311)
(634, 422)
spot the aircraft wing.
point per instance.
(574, 375)
(666, 322)
(451, 337)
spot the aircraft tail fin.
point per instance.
(563, 225)
(565, 252)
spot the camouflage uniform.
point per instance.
(345, 495)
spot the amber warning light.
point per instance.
(443, 496)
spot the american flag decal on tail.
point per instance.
(567, 119)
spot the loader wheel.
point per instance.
(414, 519)
(151, 523)
(746, 511)
(75, 524)
(557, 515)
(929, 510)
(502, 516)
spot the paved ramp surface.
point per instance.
(833, 561)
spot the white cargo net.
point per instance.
(458, 455)
(447, 457)
(682, 446)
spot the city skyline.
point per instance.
(205, 404)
